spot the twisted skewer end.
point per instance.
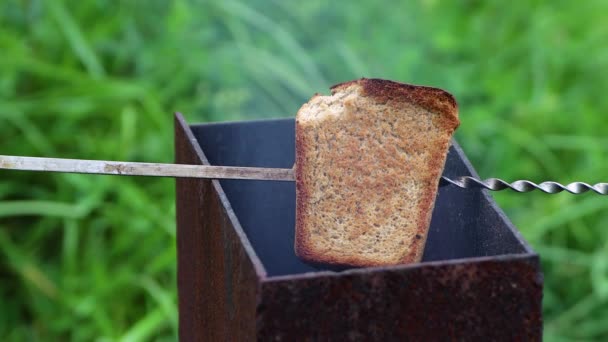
(496, 184)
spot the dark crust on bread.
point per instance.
(301, 197)
(427, 205)
(384, 91)
(433, 99)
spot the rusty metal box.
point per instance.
(239, 279)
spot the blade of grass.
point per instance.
(573, 142)
(70, 246)
(562, 255)
(557, 220)
(161, 296)
(260, 59)
(279, 33)
(145, 327)
(76, 38)
(32, 134)
(596, 329)
(40, 208)
(565, 320)
(533, 145)
(599, 273)
(352, 60)
(23, 266)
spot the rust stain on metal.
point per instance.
(217, 282)
(6, 164)
(114, 168)
(491, 300)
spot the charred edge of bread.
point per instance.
(301, 198)
(427, 204)
(433, 99)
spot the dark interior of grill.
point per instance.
(465, 223)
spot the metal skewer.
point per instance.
(256, 173)
(143, 169)
(496, 184)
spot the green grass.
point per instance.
(93, 257)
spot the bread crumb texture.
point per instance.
(368, 162)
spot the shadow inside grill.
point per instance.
(465, 224)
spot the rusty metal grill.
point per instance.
(239, 278)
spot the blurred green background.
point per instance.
(93, 257)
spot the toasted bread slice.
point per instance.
(368, 163)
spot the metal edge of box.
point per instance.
(493, 298)
(218, 274)
(257, 263)
(490, 199)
